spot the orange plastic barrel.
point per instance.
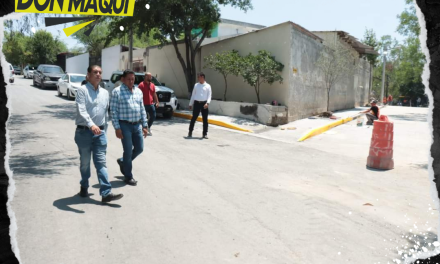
(381, 147)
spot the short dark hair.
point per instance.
(201, 74)
(127, 72)
(90, 68)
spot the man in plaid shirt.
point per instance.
(130, 122)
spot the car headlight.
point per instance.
(46, 78)
(173, 95)
(75, 87)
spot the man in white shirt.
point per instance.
(200, 99)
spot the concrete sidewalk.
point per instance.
(290, 132)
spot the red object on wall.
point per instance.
(381, 148)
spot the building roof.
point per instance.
(360, 47)
(239, 23)
(296, 26)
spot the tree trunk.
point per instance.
(328, 99)
(182, 63)
(257, 91)
(189, 67)
(226, 88)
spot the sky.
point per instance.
(352, 16)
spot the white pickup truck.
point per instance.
(167, 98)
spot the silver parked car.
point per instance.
(69, 83)
(11, 73)
(28, 71)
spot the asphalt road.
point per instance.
(234, 198)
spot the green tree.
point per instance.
(174, 18)
(371, 40)
(77, 50)
(335, 62)
(411, 57)
(16, 48)
(259, 69)
(408, 21)
(44, 47)
(96, 41)
(226, 63)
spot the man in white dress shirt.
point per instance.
(200, 100)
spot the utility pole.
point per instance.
(384, 53)
(130, 51)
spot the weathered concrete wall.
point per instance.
(264, 114)
(307, 92)
(163, 62)
(124, 62)
(302, 91)
(276, 40)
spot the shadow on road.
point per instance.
(376, 170)
(192, 138)
(63, 98)
(160, 121)
(115, 184)
(16, 120)
(65, 203)
(41, 165)
(59, 111)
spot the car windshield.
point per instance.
(52, 70)
(77, 79)
(32, 68)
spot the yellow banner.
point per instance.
(79, 7)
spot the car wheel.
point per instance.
(69, 97)
(33, 81)
(168, 114)
(42, 85)
(58, 90)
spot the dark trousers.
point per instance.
(197, 108)
(371, 118)
(151, 112)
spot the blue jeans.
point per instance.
(89, 144)
(151, 111)
(133, 145)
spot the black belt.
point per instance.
(86, 127)
(131, 123)
(201, 102)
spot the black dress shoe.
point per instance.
(111, 197)
(131, 182)
(190, 134)
(83, 192)
(121, 165)
(205, 136)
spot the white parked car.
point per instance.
(28, 71)
(11, 73)
(167, 99)
(69, 83)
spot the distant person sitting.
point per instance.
(372, 113)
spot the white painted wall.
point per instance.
(78, 64)
(110, 61)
